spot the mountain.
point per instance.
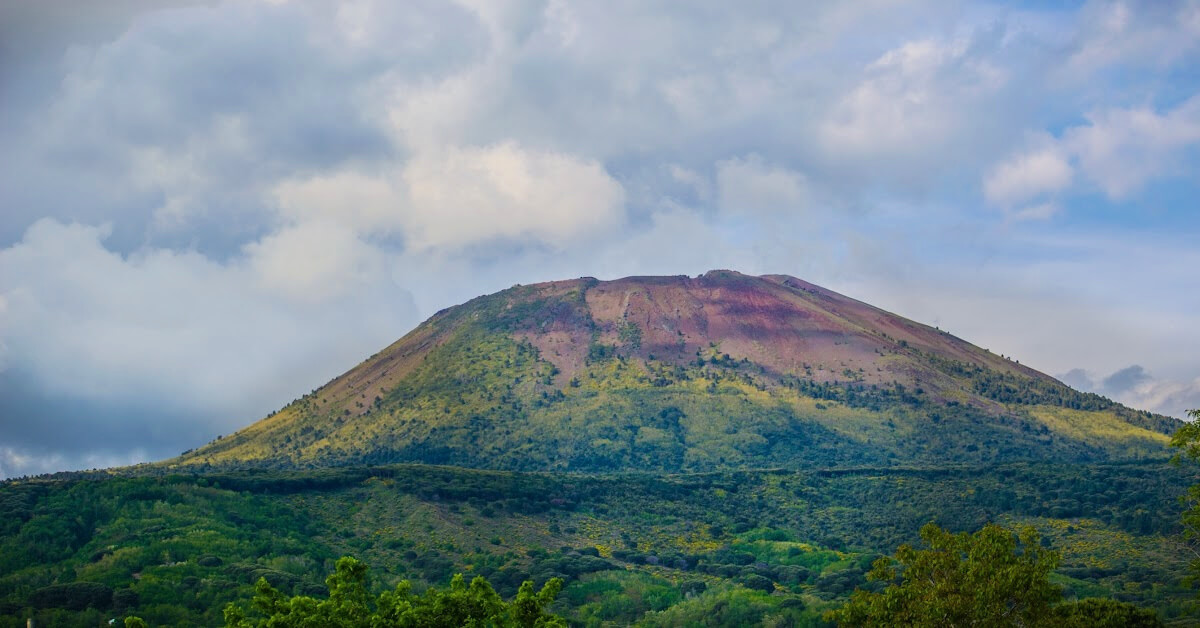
(721, 371)
(772, 439)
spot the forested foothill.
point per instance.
(766, 546)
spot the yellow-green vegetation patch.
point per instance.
(859, 424)
(1099, 429)
(1089, 543)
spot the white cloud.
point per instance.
(751, 185)
(1028, 176)
(914, 99)
(314, 261)
(458, 197)
(370, 204)
(1119, 150)
(469, 195)
(177, 124)
(1122, 149)
(1169, 397)
(1121, 33)
(430, 114)
(179, 331)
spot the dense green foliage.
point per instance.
(990, 578)
(756, 546)
(1103, 613)
(1187, 439)
(349, 605)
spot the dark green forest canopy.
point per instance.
(658, 549)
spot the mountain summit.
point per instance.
(719, 371)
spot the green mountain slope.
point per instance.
(721, 371)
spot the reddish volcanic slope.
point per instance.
(783, 324)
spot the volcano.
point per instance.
(680, 374)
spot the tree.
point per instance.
(349, 605)
(1187, 440)
(462, 605)
(989, 578)
(528, 608)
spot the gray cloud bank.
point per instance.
(210, 208)
(1135, 387)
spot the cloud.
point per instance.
(697, 184)
(361, 202)
(1027, 176)
(315, 261)
(457, 197)
(182, 121)
(1125, 379)
(1077, 379)
(469, 195)
(914, 98)
(20, 462)
(1123, 149)
(1055, 301)
(1134, 386)
(1119, 149)
(208, 126)
(104, 345)
(1123, 34)
(751, 185)
(1171, 397)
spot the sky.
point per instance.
(208, 209)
